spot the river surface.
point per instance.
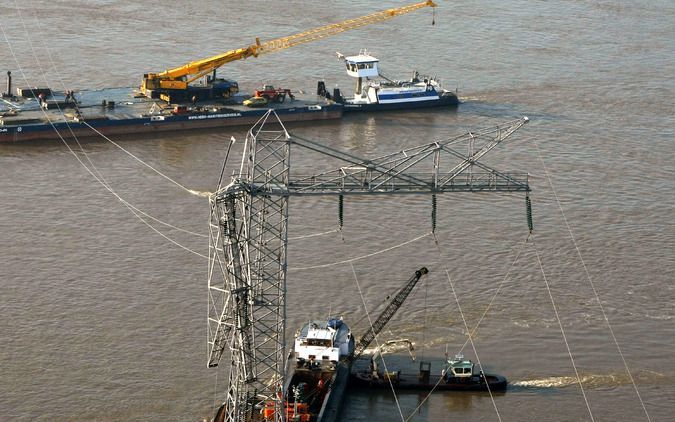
(104, 318)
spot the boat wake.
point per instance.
(592, 380)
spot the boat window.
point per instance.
(318, 342)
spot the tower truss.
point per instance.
(248, 239)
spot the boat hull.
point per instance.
(132, 116)
(414, 382)
(330, 411)
(146, 125)
(335, 382)
(449, 100)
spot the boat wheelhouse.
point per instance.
(323, 341)
(458, 367)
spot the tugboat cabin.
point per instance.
(362, 66)
(459, 368)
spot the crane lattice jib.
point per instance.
(387, 314)
(199, 68)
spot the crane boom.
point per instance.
(179, 78)
(387, 314)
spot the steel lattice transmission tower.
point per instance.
(248, 253)
(248, 239)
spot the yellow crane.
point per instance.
(174, 84)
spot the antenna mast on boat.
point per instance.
(248, 239)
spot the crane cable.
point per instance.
(562, 330)
(130, 154)
(475, 328)
(466, 325)
(496, 293)
(370, 321)
(312, 267)
(197, 193)
(100, 178)
(307, 236)
(590, 281)
(93, 171)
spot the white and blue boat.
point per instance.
(375, 92)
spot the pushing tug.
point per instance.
(458, 374)
(382, 93)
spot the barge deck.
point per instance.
(123, 111)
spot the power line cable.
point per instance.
(590, 280)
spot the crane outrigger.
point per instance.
(173, 85)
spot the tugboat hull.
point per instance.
(447, 100)
(415, 382)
